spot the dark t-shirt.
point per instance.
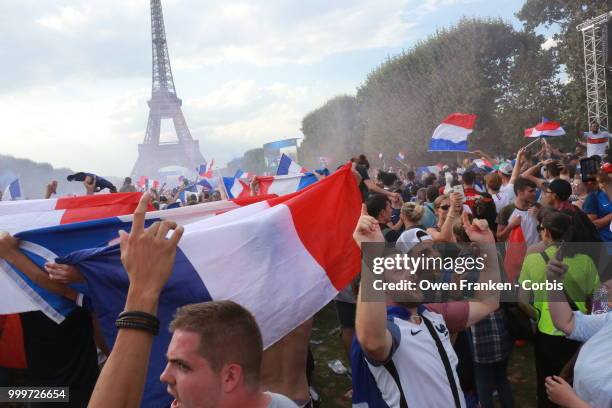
(61, 355)
(389, 234)
(101, 183)
(363, 172)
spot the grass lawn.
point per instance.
(331, 387)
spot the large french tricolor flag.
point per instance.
(545, 128)
(270, 256)
(18, 294)
(22, 215)
(288, 166)
(451, 135)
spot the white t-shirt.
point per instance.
(529, 223)
(504, 197)
(597, 143)
(280, 401)
(593, 370)
(419, 367)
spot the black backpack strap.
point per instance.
(390, 366)
(569, 300)
(447, 366)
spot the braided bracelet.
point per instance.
(126, 324)
(138, 320)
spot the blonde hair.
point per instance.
(413, 212)
(441, 198)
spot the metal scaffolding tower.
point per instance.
(595, 38)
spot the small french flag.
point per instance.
(545, 128)
(451, 135)
(400, 156)
(288, 166)
(205, 171)
(236, 188)
(13, 191)
(201, 170)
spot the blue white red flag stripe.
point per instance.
(281, 185)
(44, 244)
(236, 188)
(13, 191)
(18, 216)
(452, 133)
(545, 128)
(287, 166)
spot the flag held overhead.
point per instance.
(451, 135)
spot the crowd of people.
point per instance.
(544, 207)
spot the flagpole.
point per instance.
(402, 163)
(222, 189)
(536, 140)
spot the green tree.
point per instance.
(334, 131)
(563, 17)
(253, 161)
(479, 66)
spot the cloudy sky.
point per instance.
(76, 74)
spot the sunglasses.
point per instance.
(444, 207)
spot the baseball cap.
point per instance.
(410, 238)
(561, 188)
(505, 168)
(607, 168)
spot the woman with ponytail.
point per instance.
(552, 349)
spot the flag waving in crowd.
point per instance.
(545, 128)
(451, 135)
(12, 191)
(205, 170)
(287, 166)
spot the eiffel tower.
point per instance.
(164, 104)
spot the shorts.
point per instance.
(346, 314)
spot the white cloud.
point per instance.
(80, 132)
(66, 20)
(549, 43)
(240, 115)
(258, 35)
